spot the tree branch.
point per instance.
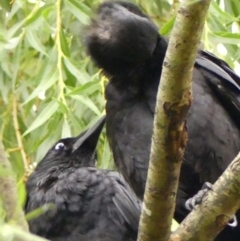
(8, 193)
(218, 206)
(18, 135)
(170, 135)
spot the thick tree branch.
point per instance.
(217, 208)
(170, 136)
(8, 193)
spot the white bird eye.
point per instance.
(59, 146)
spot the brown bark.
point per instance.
(170, 136)
(217, 208)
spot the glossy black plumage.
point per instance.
(126, 44)
(89, 203)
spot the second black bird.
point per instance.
(87, 203)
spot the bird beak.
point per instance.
(90, 136)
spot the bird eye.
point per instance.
(59, 146)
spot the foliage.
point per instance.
(49, 88)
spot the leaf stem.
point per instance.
(18, 135)
(60, 53)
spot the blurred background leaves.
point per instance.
(49, 88)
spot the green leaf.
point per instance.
(77, 123)
(88, 88)
(105, 161)
(16, 8)
(73, 68)
(46, 113)
(46, 83)
(38, 211)
(232, 6)
(79, 10)
(39, 13)
(87, 102)
(16, 63)
(35, 42)
(66, 130)
(227, 38)
(6, 4)
(219, 13)
(62, 106)
(11, 32)
(64, 44)
(166, 29)
(12, 43)
(21, 192)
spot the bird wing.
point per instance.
(218, 67)
(224, 82)
(221, 63)
(127, 203)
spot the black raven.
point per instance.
(125, 43)
(87, 203)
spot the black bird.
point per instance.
(88, 203)
(125, 43)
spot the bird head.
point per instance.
(120, 37)
(74, 151)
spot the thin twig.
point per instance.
(10, 150)
(18, 135)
